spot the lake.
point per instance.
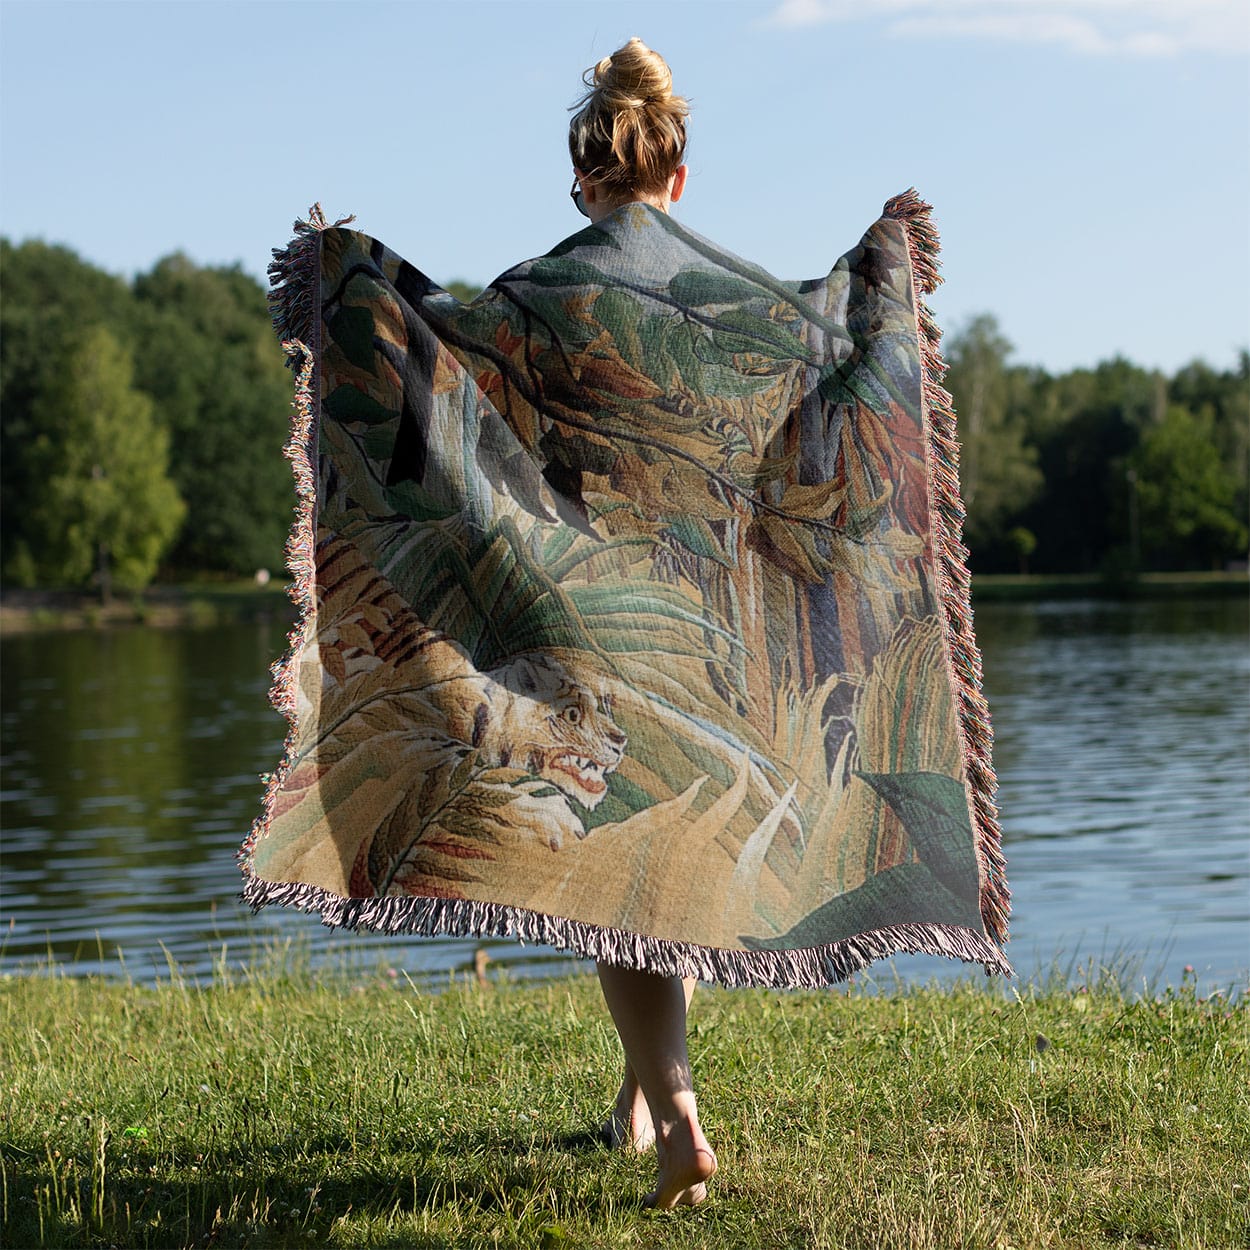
(130, 775)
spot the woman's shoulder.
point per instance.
(639, 246)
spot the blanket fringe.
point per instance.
(295, 277)
(809, 968)
(954, 582)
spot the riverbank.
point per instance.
(185, 604)
(1003, 587)
(218, 603)
(289, 1110)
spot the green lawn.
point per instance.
(294, 1110)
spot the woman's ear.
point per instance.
(587, 184)
(678, 183)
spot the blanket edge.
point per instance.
(954, 578)
(294, 286)
(811, 967)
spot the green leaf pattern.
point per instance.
(625, 602)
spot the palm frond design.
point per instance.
(629, 603)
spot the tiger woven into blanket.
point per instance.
(635, 617)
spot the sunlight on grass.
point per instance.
(347, 1107)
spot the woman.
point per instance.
(628, 141)
(635, 618)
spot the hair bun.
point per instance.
(634, 76)
(630, 129)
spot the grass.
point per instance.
(297, 1109)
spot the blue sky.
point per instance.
(1088, 160)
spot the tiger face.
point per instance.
(539, 718)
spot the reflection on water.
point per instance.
(1122, 735)
(131, 762)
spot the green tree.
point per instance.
(465, 292)
(1185, 494)
(208, 357)
(51, 298)
(1024, 543)
(1085, 424)
(1222, 397)
(104, 504)
(997, 467)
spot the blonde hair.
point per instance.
(629, 133)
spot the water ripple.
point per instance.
(131, 773)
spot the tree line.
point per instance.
(1114, 470)
(142, 424)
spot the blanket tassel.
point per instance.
(954, 581)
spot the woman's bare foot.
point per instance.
(629, 1126)
(686, 1165)
(649, 1011)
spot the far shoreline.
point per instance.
(206, 604)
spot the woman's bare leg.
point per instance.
(629, 1125)
(650, 1015)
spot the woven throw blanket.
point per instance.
(634, 613)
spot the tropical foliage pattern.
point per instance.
(626, 602)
